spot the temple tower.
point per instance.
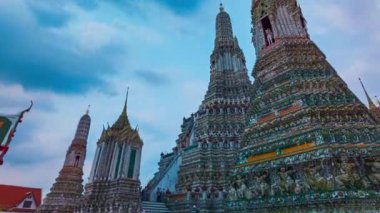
(114, 184)
(205, 153)
(220, 119)
(65, 193)
(310, 143)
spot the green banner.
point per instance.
(5, 126)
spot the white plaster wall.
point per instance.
(169, 180)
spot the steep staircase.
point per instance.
(154, 207)
(167, 178)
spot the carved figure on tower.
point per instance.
(269, 36)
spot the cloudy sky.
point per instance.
(64, 55)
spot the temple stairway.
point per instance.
(154, 207)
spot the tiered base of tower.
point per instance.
(65, 193)
(327, 183)
(311, 144)
(346, 206)
(121, 195)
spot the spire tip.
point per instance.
(126, 98)
(370, 102)
(126, 102)
(88, 109)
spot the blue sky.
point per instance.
(68, 54)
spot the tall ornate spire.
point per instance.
(227, 55)
(83, 128)
(114, 178)
(224, 33)
(123, 121)
(213, 131)
(371, 105)
(64, 193)
(126, 102)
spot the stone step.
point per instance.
(158, 207)
(154, 207)
(155, 204)
(157, 210)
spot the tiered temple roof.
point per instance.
(114, 184)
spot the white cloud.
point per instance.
(39, 175)
(95, 35)
(328, 16)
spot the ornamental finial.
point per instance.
(88, 109)
(126, 102)
(371, 105)
(221, 7)
(126, 98)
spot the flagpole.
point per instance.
(10, 136)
